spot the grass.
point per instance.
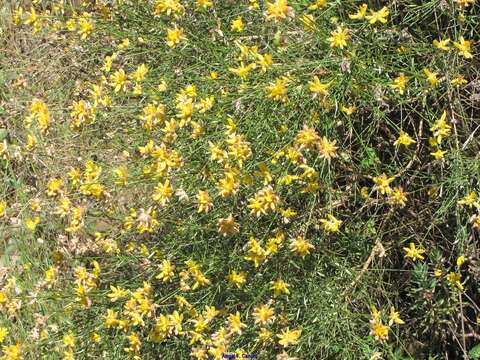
(334, 288)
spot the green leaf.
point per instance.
(474, 352)
(3, 134)
(370, 158)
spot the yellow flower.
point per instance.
(402, 49)
(17, 16)
(163, 192)
(174, 36)
(140, 73)
(331, 224)
(441, 128)
(137, 90)
(237, 279)
(264, 173)
(206, 104)
(317, 87)
(348, 110)
(204, 201)
(63, 207)
(107, 63)
(400, 83)
(235, 323)
(175, 322)
(442, 44)
(277, 90)
(413, 253)
(166, 271)
(50, 275)
(122, 174)
(327, 148)
(289, 337)
(360, 14)
(459, 80)
(256, 253)
(439, 154)
(264, 335)
(228, 226)
(339, 38)
(31, 17)
(54, 187)
(307, 137)
(31, 224)
(124, 44)
(69, 340)
(394, 317)
(3, 333)
(253, 5)
(96, 338)
(301, 246)
(404, 139)
(12, 352)
(454, 279)
(263, 314)
(379, 331)
(4, 149)
(470, 200)
(228, 185)
(318, 4)
(31, 142)
(210, 313)
(242, 71)
(382, 184)
(3, 207)
(82, 112)
(111, 319)
(463, 46)
(117, 293)
(204, 4)
(376, 314)
(431, 77)
(476, 222)
(465, 3)
(264, 200)
(135, 343)
(380, 16)
(280, 287)
(169, 7)
(277, 10)
(397, 197)
(237, 24)
(86, 26)
(119, 80)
